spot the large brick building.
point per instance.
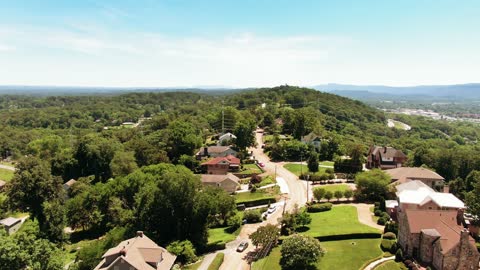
(385, 158)
(437, 238)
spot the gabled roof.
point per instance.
(443, 222)
(227, 136)
(9, 221)
(311, 137)
(405, 174)
(416, 192)
(218, 160)
(70, 182)
(387, 152)
(139, 252)
(218, 178)
(218, 149)
(444, 200)
(412, 185)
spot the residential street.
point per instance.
(297, 195)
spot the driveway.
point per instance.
(365, 216)
(7, 167)
(295, 193)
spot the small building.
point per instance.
(436, 238)
(229, 182)
(408, 174)
(215, 151)
(2, 185)
(222, 165)
(138, 253)
(312, 139)
(11, 224)
(67, 186)
(226, 139)
(385, 158)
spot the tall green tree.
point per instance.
(245, 132)
(32, 186)
(182, 138)
(312, 162)
(300, 252)
(372, 185)
(265, 236)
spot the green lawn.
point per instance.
(259, 194)
(327, 163)
(338, 221)
(335, 187)
(340, 255)
(221, 235)
(6, 175)
(297, 169)
(193, 266)
(71, 249)
(391, 265)
(250, 169)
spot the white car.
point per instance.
(272, 209)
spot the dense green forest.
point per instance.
(125, 170)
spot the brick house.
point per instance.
(222, 165)
(138, 253)
(215, 151)
(228, 182)
(407, 174)
(436, 238)
(385, 158)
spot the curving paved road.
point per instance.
(378, 262)
(297, 195)
(7, 167)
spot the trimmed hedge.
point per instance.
(319, 207)
(389, 235)
(217, 262)
(258, 202)
(215, 246)
(387, 244)
(349, 236)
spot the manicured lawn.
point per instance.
(6, 175)
(217, 262)
(193, 266)
(335, 187)
(338, 221)
(71, 249)
(251, 168)
(342, 255)
(391, 265)
(221, 235)
(259, 194)
(327, 163)
(297, 169)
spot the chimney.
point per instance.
(384, 149)
(205, 151)
(446, 188)
(139, 234)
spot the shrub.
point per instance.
(399, 255)
(252, 216)
(389, 235)
(184, 251)
(377, 213)
(386, 216)
(394, 248)
(329, 170)
(381, 221)
(234, 222)
(386, 244)
(391, 226)
(319, 207)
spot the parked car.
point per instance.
(261, 164)
(272, 209)
(243, 245)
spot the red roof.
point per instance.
(231, 160)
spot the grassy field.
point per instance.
(391, 265)
(259, 194)
(297, 169)
(221, 235)
(334, 187)
(327, 163)
(340, 220)
(6, 175)
(251, 168)
(340, 255)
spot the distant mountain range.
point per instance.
(457, 91)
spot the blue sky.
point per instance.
(238, 43)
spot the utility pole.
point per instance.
(308, 182)
(301, 165)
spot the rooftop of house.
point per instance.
(228, 159)
(387, 152)
(227, 135)
(217, 149)
(405, 174)
(443, 222)
(70, 182)
(9, 221)
(217, 178)
(139, 252)
(311, 137)
(416, 192)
